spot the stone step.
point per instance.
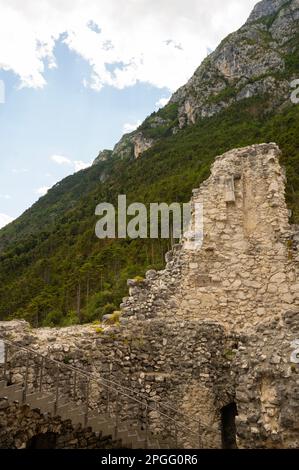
(104, 427)
(130, 433)
(13, 387)
(12, 392)
(131, 436)
(96, 421)
(76, 416)
(155, 444)
(130, 442)
(41, 401)
(65, 410)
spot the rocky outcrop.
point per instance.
(255, 61)
(250, 62)
(265, 8)
(125, 147)
(132, 145)
(103, 156)
(141, 144)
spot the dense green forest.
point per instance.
(53, 269)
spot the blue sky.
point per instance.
(77, 74)
(63, 119)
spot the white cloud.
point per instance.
(5, 219)
(160, 42)
(162, 102)
(42, 191)
(5, 196)
(130, 127)
(77, 165)
(61, 160)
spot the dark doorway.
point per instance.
(228, 426)
(43, 441)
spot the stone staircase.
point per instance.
(127, 428)
(129, 433)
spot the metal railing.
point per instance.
(46, 367)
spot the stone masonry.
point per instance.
(245, 272)
(210, 336)
(22, 427)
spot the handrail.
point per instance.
(96, 377)
(82, 372)
(108, 384)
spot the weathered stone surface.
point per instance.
(250, 261)
(19, 425)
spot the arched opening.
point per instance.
(228, 426)
(42, 441)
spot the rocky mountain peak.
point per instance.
(258, 60)
(266, 8)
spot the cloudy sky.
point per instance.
(76, 74)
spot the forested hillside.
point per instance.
(53, 269)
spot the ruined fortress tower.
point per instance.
(208, 343)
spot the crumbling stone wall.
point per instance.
(213, 328)
(267, 381)
(22, 427)
(245, 271)
(182, 367)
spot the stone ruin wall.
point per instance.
(267, 384)
(245, 271)
(175, 364)
(216, 326)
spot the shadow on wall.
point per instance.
(228, 426)
(43, 441)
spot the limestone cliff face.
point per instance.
(103, 156)
(265, 8)
(250, 62)
(255, 61)
(141, 144)
(130, 146)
